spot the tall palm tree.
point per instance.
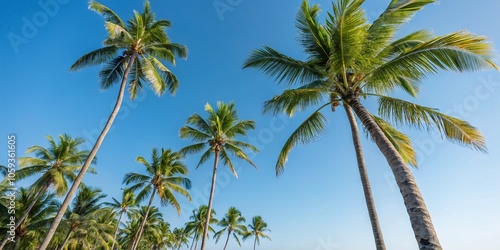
(257, 230)
(40, 216)
(128, 200)
(218, 131)
(233, 224)
(198, 224)
(96, 232)
(57, 165)
(130, 232)
(349, 58)
(133, 49)
(86, 205)
(165, 175)
(180, 237)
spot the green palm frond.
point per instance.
(95, 57)
(400, 141)
(112, 72)
(310, 129)
(313, 37)
(281, 67)
(454, 129)
(109, 15)
(293, 100)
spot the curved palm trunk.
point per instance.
(141, 228)
(116, 230)
(194, 239)
(255, 243)
(28, 210)
(363, 173)
(90, 158)
(420, 218)
(66, 240)
(227, 240)
(196, 245)
(207, 223)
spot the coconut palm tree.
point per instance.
(40, 216)
(233, 223)
(257, 230)
(85, 207)
(57, 165)
(216, 135)
(165, 175)
(96, 232)
(128, 200)
(130, 232)
(180, 237)
(131, 55)
(349, 58)
(197, 224)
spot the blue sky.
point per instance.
(318, 203)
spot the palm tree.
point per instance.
(165, 175)
(128, 200)
(131, 230)
(233, 224)
(180, 237)
(198, 224)
(57, 165)
(258, 227)
(349, 58)
(86, 205)
(218, 132)
(96, 232)
(40, 216)
(133, 49)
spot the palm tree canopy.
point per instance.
(348, 57)
(198, 219)
(233, 221)
(143, 37)
(218, 132)
(58, 163)
(165, 174)
(257, 229)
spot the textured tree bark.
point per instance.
(420, 218)
(90, 158)
(210, 200)
(363, 173)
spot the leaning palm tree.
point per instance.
(197, 224)
(133, 49)
(257, 230)
(349, 58)
(128, 200)
(85, 207)
(165, 175)
(57, 165)
(218, 131)
(233, 224)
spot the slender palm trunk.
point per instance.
(255, 243)
(227, 240)
(141, 228)
(90, 158)
(194, 239)
(420, 218)
(196, 244)
(210, 200)
(66, 240)
(116, 230)
(363, 173)
(28, 210)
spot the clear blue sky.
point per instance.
(318, 203)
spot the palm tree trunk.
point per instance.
(66, 240)
(227, 240)
(90, 158)
(194, 239)
(196, 244)
(420, 218)
(141, 228)
(116, 230)
(210, 200)
(28, 210)
(363, 173)
(255, 243)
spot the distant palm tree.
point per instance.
(131, 49)
(218, 132)
(198, 224)
(233, 224)
(128, 200)
(57, 165)
(349, 59)
(257, 229)
(40, 216)
(96, 233)
(136, 216)
(86, 205)
(180, 237)
(165, 175)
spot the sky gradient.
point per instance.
(318, 202)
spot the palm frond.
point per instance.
(95, 57)
(313, 37)
(293, 100)
(109, 15)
